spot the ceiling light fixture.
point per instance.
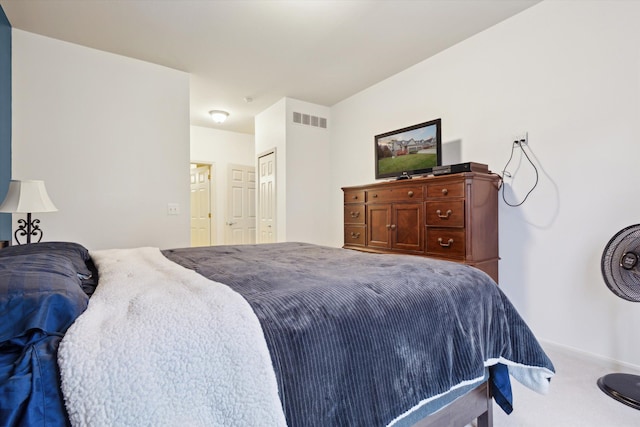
(218, 116)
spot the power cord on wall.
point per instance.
(520, 144)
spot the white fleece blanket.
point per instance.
(160, 345)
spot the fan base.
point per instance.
(624, 388)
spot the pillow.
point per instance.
(77, 254)
(38, 291)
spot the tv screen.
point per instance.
(413, 150)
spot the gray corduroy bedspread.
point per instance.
(360, 339)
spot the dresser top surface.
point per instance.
(426, 180)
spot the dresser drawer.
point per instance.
(354, 196)
(446, 242)
(403, 194)
(354, 214)
(445, 189)
(449, 213)
(354, 235)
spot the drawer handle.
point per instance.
(354, 197)
(410, 193)
(445, 191)
(446, 215)
(374, 196)
(445, 245)
(354, 214)
(355, 235)
(391, 226)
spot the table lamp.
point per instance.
(27, 197)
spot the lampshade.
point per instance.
(26, 197)
(218, 116)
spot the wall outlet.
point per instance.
(173, 209)
(522, 138)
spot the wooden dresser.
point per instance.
(453, 217)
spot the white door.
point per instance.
(267, 198)
(241, 205)
(200, 206)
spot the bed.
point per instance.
(280, 334)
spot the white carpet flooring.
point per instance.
(574, 398)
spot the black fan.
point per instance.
(621, 273)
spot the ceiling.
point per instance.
(319, 51)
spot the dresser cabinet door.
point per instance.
(379, 226)
(407, 227)
(396, 226)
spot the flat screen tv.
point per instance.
(413, 150)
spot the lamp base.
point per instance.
(28, 228)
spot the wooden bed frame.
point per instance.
(477, 404)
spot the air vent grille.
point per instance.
(309, 120)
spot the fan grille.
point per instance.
(623, 281)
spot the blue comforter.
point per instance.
(355, 339)
(40, 297)
(365, 339)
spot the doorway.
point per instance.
(200, 199)
(267, 197)
(240, 225)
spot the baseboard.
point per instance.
(590, 357)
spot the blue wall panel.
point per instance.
(5, 119)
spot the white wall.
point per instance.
(303, 169)
(569, 74)
(308, 175)
(109, 135)
(221, 149)
(271, 134)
